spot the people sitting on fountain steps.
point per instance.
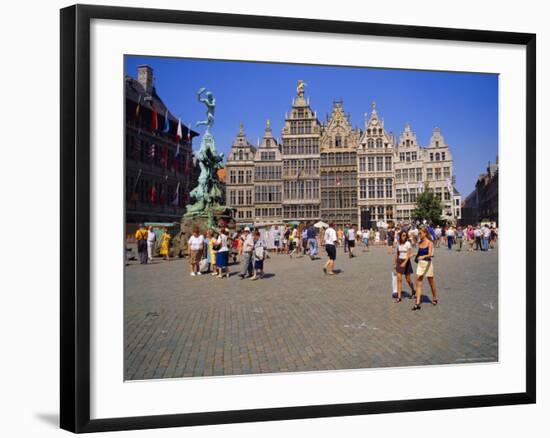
(247, 249)
(330, 247)
(195, 246)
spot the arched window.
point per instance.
(240, 155)
(437, 157)
(338, 141)
(378, 142)
(370, 143)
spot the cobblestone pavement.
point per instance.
(297, 319)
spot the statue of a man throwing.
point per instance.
(210, 103)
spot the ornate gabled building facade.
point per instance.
(240, 178)
(438, 168)
(268, 182)
(338, 166)
(409, 174)
(300, 153)
(335, 173)
(375, 163)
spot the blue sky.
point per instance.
(463, 105)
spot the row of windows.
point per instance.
(143, 151)
(267, 194)
(374, 131)
(243, 214)
(378, 142)
(154, 192)
(404, 196)
(267, 173)
(338, 159)
(375, 164)
(379, 212)
(300, 113)
(437, 156)
(339, 199)
(240, 176)
(298, 190)
(242, 155)
(301, 211)
(269, 212)
(407, 142)
(239, 197)
(268, 156)
(338, 179)
(337, 141)
(302, 126)
(414, 174)
(301, 146)
(305, 167)
(432, 174)
(375, 188)
(407, 157)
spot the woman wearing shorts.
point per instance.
(425, 267)
(403, 265)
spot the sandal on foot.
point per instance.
(416, 307)
(397, 300)
(434, 302)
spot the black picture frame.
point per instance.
(75, 215)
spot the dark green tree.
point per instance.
(428, 207)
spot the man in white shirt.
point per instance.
(351, 240)
(486, 233)
(477, 234)
(151, 239)
(330, 246)
(195, 246)
(247, 248)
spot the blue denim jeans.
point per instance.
(312, 247)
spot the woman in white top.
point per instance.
(222, 255)
(403, 265)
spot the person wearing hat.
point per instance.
(247, 250)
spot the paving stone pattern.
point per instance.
(298, 319)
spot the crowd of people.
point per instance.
(210, 252)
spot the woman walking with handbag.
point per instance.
(425, 268)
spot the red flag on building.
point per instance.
(154, 120)
(164, 159)
(153, 194)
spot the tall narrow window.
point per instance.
(389, 188)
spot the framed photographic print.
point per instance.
(269, 218)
